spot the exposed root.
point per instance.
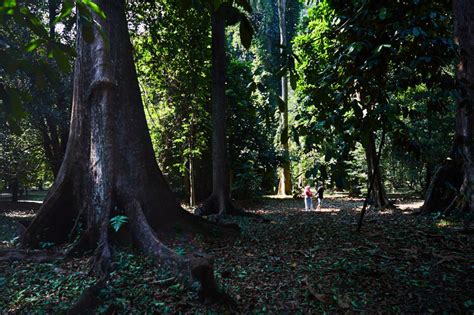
(38, 256)
(444, 187)
(197, 267)
(89, 299)
(81, 246)
(211, 207)
(102, 260)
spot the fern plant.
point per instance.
(117, 222)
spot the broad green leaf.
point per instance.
(95, 8)
(32, 45)
(9, 3)
(27, 19)
(117, 222)
(66, 10)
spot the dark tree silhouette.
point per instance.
(453, 184)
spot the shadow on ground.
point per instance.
(297, 262)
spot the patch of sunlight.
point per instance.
(19, 214)
(278, 196)
(410, 205)
(443, 223)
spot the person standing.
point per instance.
(308, 198)
(320, 194)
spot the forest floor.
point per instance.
(297, 262)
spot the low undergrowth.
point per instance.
(296, 263)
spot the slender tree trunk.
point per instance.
(14, 189)
(109, 167)
(219, 202)
(192, 188)
(284, 187)
(378, 196)
(220, 167)
(456, 176)
(428, 175)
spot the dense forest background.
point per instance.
(407, 81)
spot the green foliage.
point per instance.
(21, 157)
(118, 221)
(353, 64)
(24, 33)
(174, 75)
(251, 153)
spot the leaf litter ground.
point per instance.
(297, 262)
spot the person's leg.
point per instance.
(310, 203)
(306, 203)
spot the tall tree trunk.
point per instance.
(14, 189)
(191, 172)
(464, 35)
(219, 202)
(456, 176)
(284, 187)
(192, 183)
(109, 167)
(378, 196)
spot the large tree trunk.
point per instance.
(109, 166)
(378, 196)
(464, 33)
(456, 177)
(284, 186)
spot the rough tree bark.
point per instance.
(109, 166)
(284, 186)
(455, 178)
